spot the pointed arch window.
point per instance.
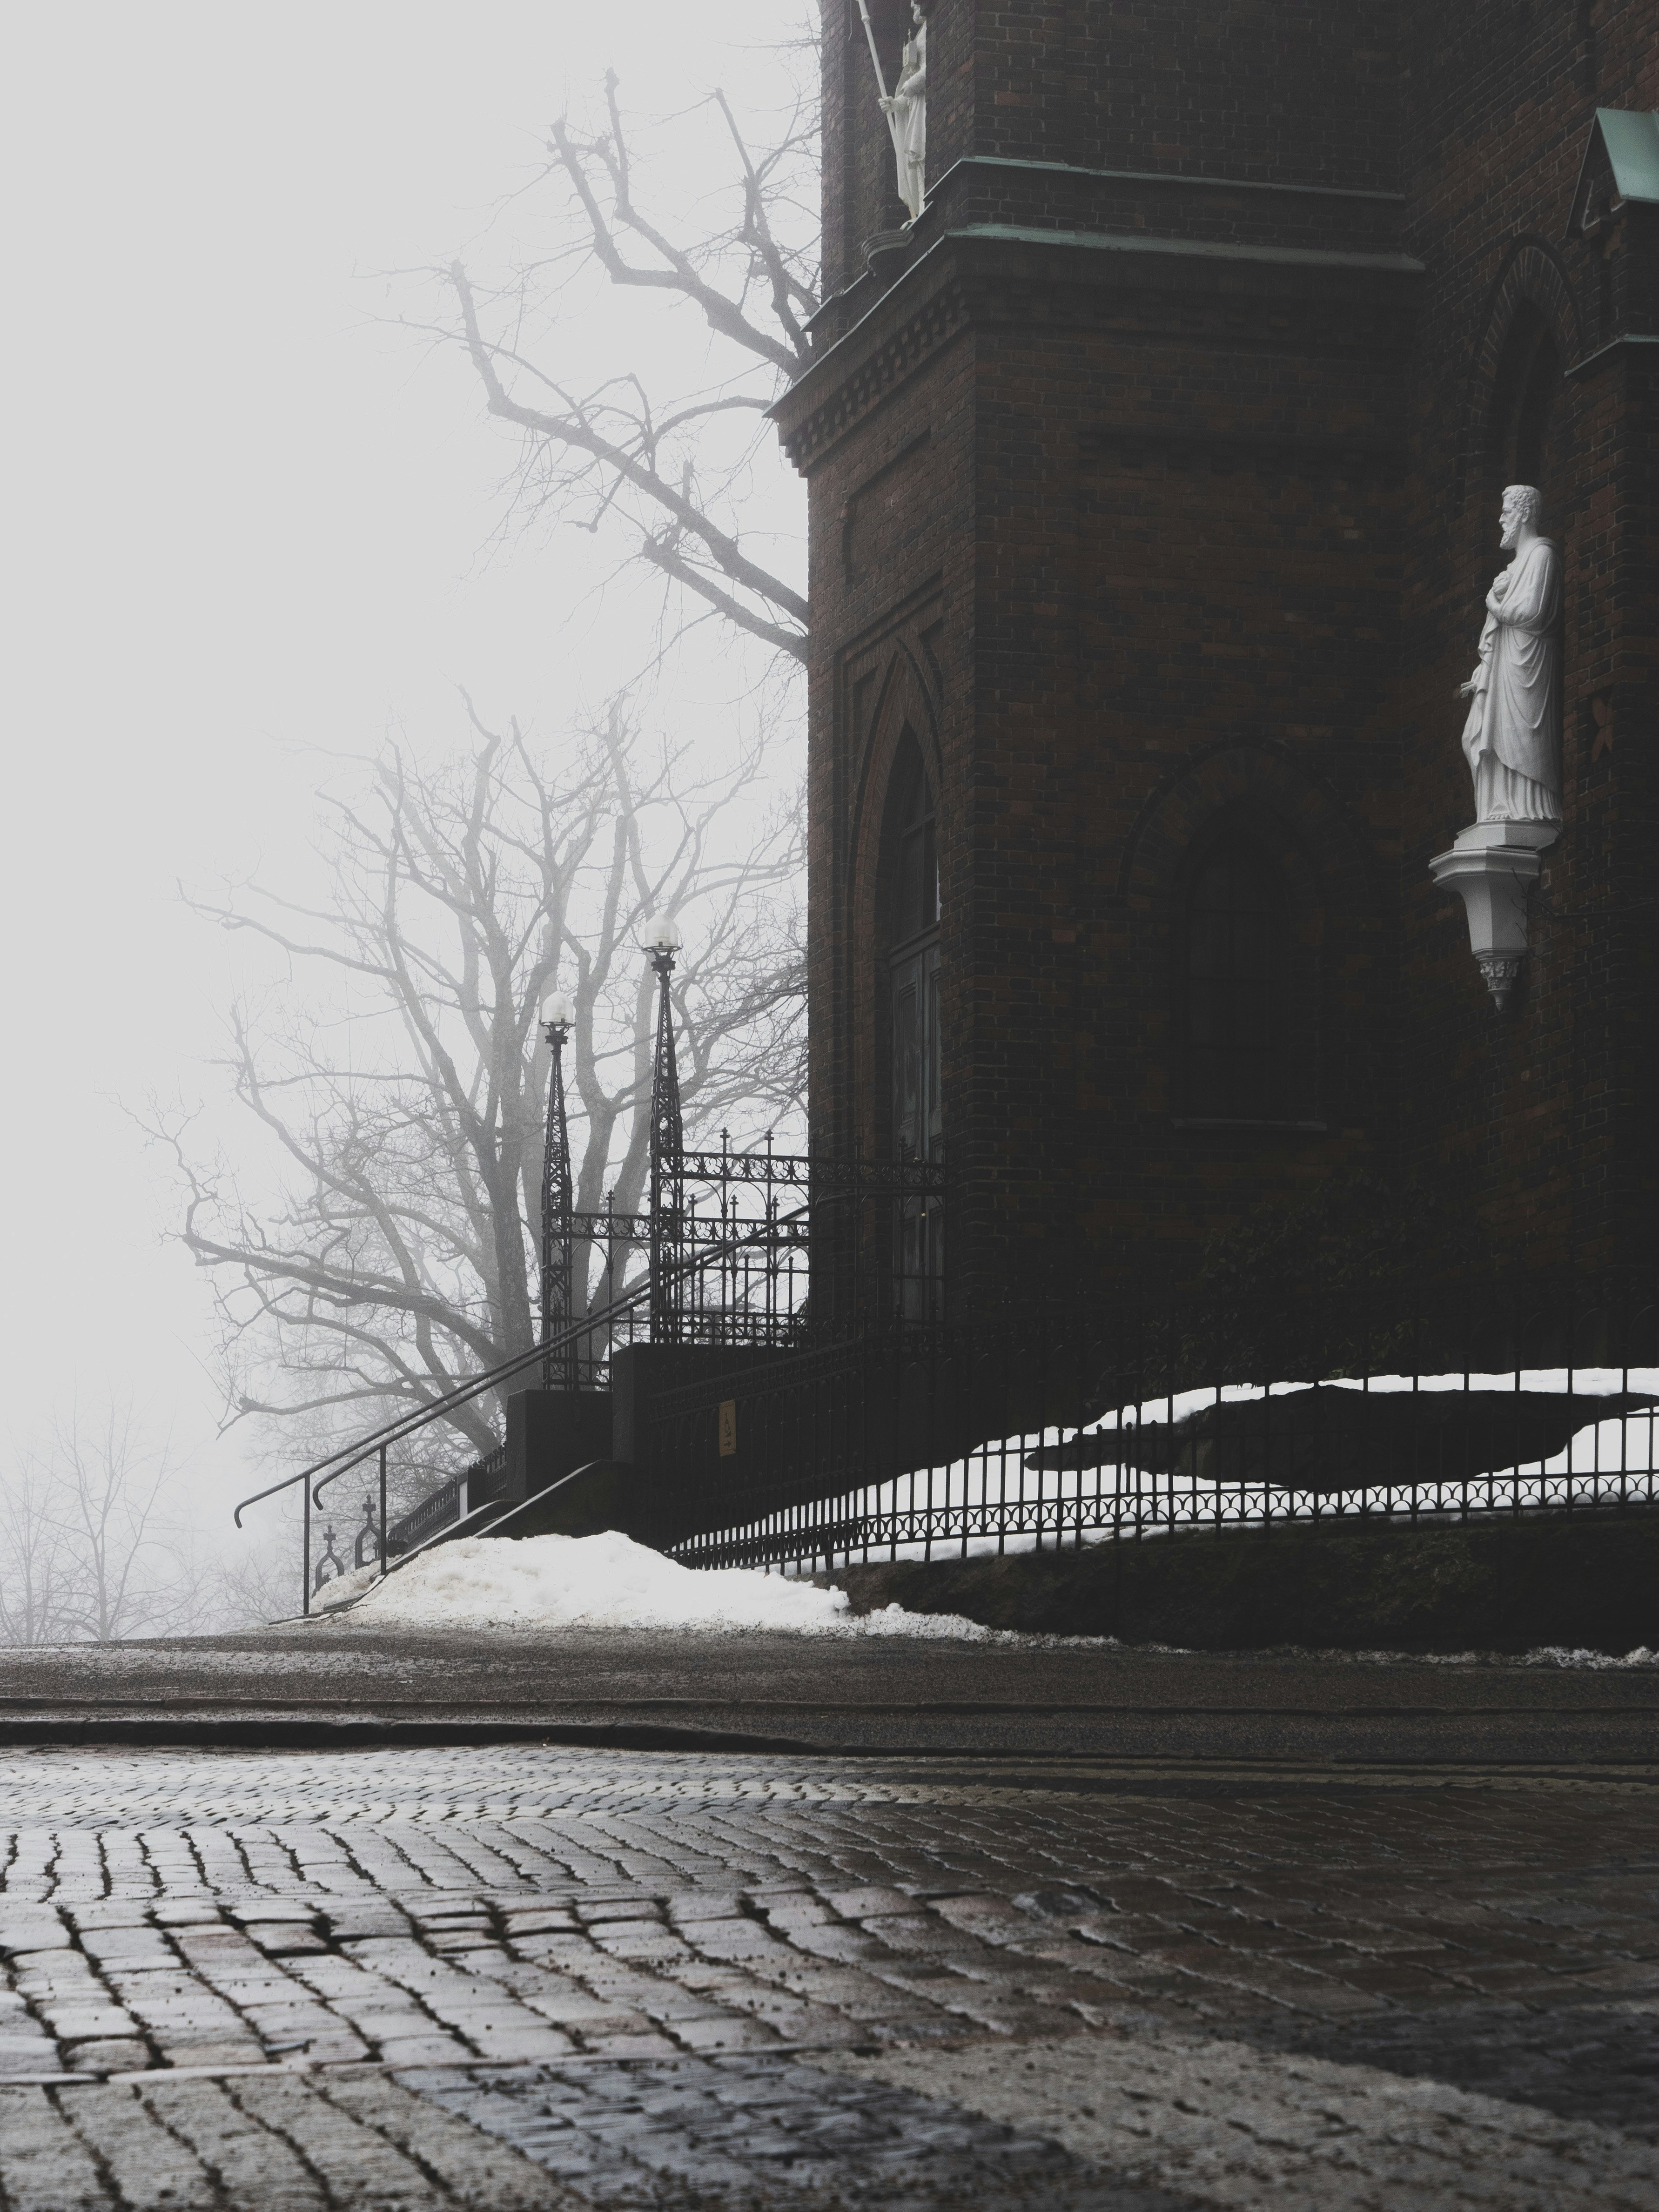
(1249, 1016)
(909, 959)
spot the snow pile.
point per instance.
(1558, 1654)
(610, 1582)
(1588, 1383)
(1542, 1654)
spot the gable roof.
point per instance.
(1629, 139)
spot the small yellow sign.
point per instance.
(728, 1428)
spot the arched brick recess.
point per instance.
(904, 701)
(1532, 275)
(902, 696)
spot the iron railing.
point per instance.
(729, 1257)
(726, 1267)
(376, 1448)
(920, 1440)
(480, 1483)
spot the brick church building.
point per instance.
(1154, 475)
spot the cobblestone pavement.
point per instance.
(517, 1975)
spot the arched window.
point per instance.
(1526, 413)
(910, 958)
(1247, 1016)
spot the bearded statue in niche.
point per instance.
(1512, 739)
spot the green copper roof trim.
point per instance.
(1603, 354)
(1116, 241)
(1632, 138)
(1101, 241)
(1161, 177)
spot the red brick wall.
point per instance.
(1176, 509)
(1552, 1111)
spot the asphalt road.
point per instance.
(863, 1694)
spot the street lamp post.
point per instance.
(662, 942)
(557, 1202)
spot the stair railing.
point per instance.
(377, 1445)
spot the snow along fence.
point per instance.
(935, 1441)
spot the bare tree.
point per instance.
(36, 1571)
(132, 1574)
(673, 468)
(406, 1105)
(91, 1552)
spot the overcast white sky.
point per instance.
(246, 527)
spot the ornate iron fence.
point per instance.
(875, 1424)
(984, 1436)
(726, 1261)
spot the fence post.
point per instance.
(383, 1512)
(667, 1142)
(558, 1243)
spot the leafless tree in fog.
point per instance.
(88, 1552)
(36, 1572)
(670, 466)
(394, 1252)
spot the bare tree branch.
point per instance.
(663, 553)
(666, 473)
(679, 272)
(576, 427)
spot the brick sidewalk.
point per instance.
(514, 1976)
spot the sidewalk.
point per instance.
(830, 1694)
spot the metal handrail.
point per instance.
(451, 1529)
(353, 1454)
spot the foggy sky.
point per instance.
(248, 530)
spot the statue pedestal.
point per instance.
(1491, 867)
(890, 253)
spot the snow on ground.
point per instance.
(610, 1582)
(1587, 1383)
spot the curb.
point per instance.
(175, 1734)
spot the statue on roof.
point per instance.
(906, 110)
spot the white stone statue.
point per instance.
(906, 110)
(1512, 739)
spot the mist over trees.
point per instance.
(91, 1547)
(363, 1188)
(664, 450)
(399, 1084)
(395, 1252)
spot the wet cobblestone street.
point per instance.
(512, 1975)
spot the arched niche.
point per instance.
(898, 985)
(1526, 425)
(1517, 415)
(910, 1110)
